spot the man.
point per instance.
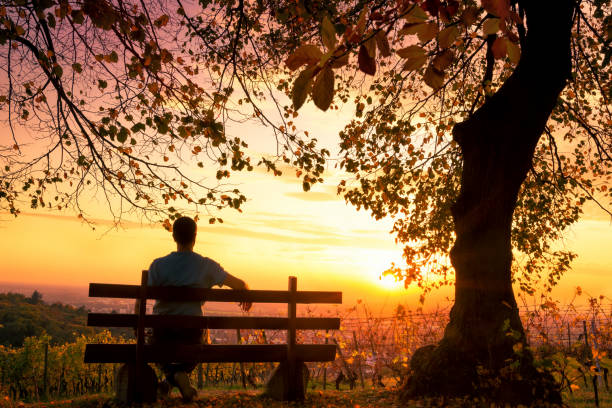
(185, 268)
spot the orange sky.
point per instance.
(282, 231)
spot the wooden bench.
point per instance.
(138, 355)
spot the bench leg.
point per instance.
(132, 385)
(288, 383)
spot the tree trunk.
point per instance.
(482, 352)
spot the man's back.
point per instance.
(184, 269)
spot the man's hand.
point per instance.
(238, 284)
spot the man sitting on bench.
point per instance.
(185, 268)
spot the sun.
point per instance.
(390, 283)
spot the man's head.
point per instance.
(184, 231)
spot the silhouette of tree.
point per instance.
(36, 298)
(482, 127)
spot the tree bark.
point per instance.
(482, 352)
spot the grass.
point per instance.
(358, 398)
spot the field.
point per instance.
(373, 357)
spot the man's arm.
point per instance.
(237, 283)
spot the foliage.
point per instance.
(118, 97)
(22, 317)
(373, 354)
(399, 145)
(168, 79)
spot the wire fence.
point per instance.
(373, 351)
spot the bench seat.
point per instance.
(208, 353)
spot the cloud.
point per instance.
(289, 229)
(314, 196)
(94, 221)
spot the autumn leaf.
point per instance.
(469, 16)
(328, 33)
(433, 78)
(490, 26)
(323, 89)
(367, 64)
(412, 64)
(341, 58)
(416, 15)
(307, 54)
(499, 48)
(443, 60)
(447, 37)
(383, 44)
(499, 8)
(301, 86)
(514, 52)
(361, 23)
(412, 51)
(426, 32)
(370, 45)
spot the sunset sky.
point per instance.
(283, 231)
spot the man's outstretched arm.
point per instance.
(237, 283)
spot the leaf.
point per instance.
(499, 48)
(307, 54)
(122, 135)
(433, 78)
(301, 86)
(113, 56)
(328, 34)
(443, 60)
(490, 26)
(58, 71)
(514, 52)
(323, 89)
(499, 8)
(414, 63)
(470, 15)
(426, 32)
(367, 64)
(383, 44)
(412, 51)
(162, 21)
(341, 60)
(361, 23)
(77, 67)
(371, 45)
(19, 30)
(447, 37)
(416, 15)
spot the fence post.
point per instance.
(137, 381)
(292, 366)
(242, 374)
(200, 380)
(596, 347)
(324, 366)
(45, 372)
(359, 360)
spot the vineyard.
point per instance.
(373, 351)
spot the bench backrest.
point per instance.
(142, 293)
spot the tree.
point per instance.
(464, 132)
(36, 298)
(100, 101)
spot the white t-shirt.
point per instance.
(184, 269)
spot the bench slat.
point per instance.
(212, 322)
(207, 353)
(185, 294)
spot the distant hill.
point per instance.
(22, 316)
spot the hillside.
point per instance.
(22, 316)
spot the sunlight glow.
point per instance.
(390, 283)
